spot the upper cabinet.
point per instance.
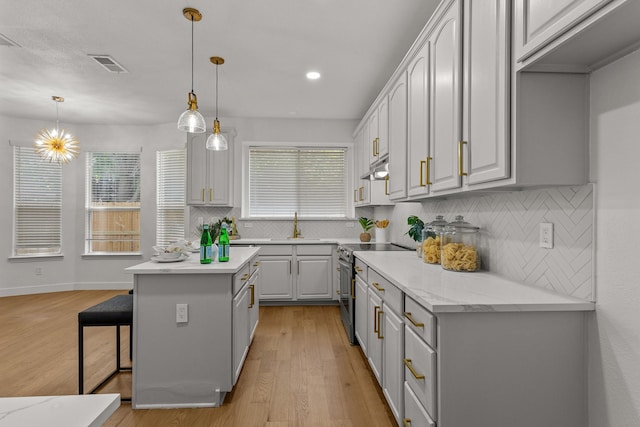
(209, 173)
(540, 22)
(397, 178)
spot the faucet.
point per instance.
(296, 232)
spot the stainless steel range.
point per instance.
(346, 260)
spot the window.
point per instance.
(37, 203)
(309, 181)
(113, 203)
(170, 166)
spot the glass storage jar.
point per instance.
(431, 240)
(459, 242)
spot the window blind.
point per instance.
(170, 198)
(37, 203)
(113, 203)
(309, 181)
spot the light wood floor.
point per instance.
(300, 370)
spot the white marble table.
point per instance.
(58, 411)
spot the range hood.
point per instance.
(379, 170)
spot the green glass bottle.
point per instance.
(205, 245)
(223, 244)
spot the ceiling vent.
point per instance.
(109, 63)
(6, 41)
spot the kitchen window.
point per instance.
(37, 203)
(170, 196)
(113, 203)
(285, 180)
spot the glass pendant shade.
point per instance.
(216, 141)
(191, 120)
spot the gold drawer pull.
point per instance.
(427, 169)
(245, 277)
(257, 263)
(386, 185)
(461, 172)
(377, 286)
(211, 194)
(375, 318)
(412, 320)
(406, 422)
(422, 184)
(358, 269)
(253, 295)
(338, 291)
(380, 313)
(407, 363)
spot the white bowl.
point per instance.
(169, 255)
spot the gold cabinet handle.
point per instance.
(361, 191)
(338, 269)
(412, 320)
(407, 363)
(244, 277)
(358, 269)
(355, 195)
(203, 194)
(461, 172)
(338, 291)
(353, 288)
(377, 286)
(375, 319)
(380, 313)
(386, 185)
(428, 159)
(406, 422)
(422, 184)
(253, 295)
(211, 194)
(377, 147)
(257, 263)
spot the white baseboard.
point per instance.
(61, 287)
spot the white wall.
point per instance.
(73, 271)
(614, 375)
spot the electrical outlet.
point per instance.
(546, 235)
(182, 313)
(248, 225)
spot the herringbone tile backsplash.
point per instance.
(509, 225)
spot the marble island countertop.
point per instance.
(90, 410)
(443, 291)
(292, 241)
(238, 257)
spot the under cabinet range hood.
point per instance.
(378, 170)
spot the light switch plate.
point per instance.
(546, 235)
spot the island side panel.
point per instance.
(182, 364)
(525, 369)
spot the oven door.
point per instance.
(347, 302)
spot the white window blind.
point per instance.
(113, 203)
(170, 199)
(37, 203)
(309, 181)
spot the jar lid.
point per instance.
(460, 225)
(438, 222)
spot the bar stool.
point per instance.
(116, 311)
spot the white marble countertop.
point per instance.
(447, 291)
(291, 241)
(89, 410)
(238, 257)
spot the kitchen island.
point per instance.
(192, 327)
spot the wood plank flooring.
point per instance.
(300, 370)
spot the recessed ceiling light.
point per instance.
(313, 75)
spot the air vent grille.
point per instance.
(6, 41)
(108, 63)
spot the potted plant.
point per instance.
(366, 224)
(415, 231)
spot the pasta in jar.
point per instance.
(460, 257)
(431, 250)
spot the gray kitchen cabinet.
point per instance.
(209, 173)
(362, 313)
(397, 179)
(537, 23)
(296, 272)
(377, 145)
(374, 340)
(245, 315)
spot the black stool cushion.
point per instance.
(114, 311)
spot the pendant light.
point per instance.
(191, 120)
(217, 141)
(54, 144)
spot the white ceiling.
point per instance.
(268, 46)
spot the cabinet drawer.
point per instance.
(420, 320)
(414, 413)
(361, 269)
(420, 358)
(314, 250)
(387, 291)
(253, 265)
(240, 278)
(276, 250)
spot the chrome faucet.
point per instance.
(296, 232)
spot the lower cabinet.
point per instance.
(392, 351)
(362, 314)
(374, 337)
(296, 272)
(245, 317)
